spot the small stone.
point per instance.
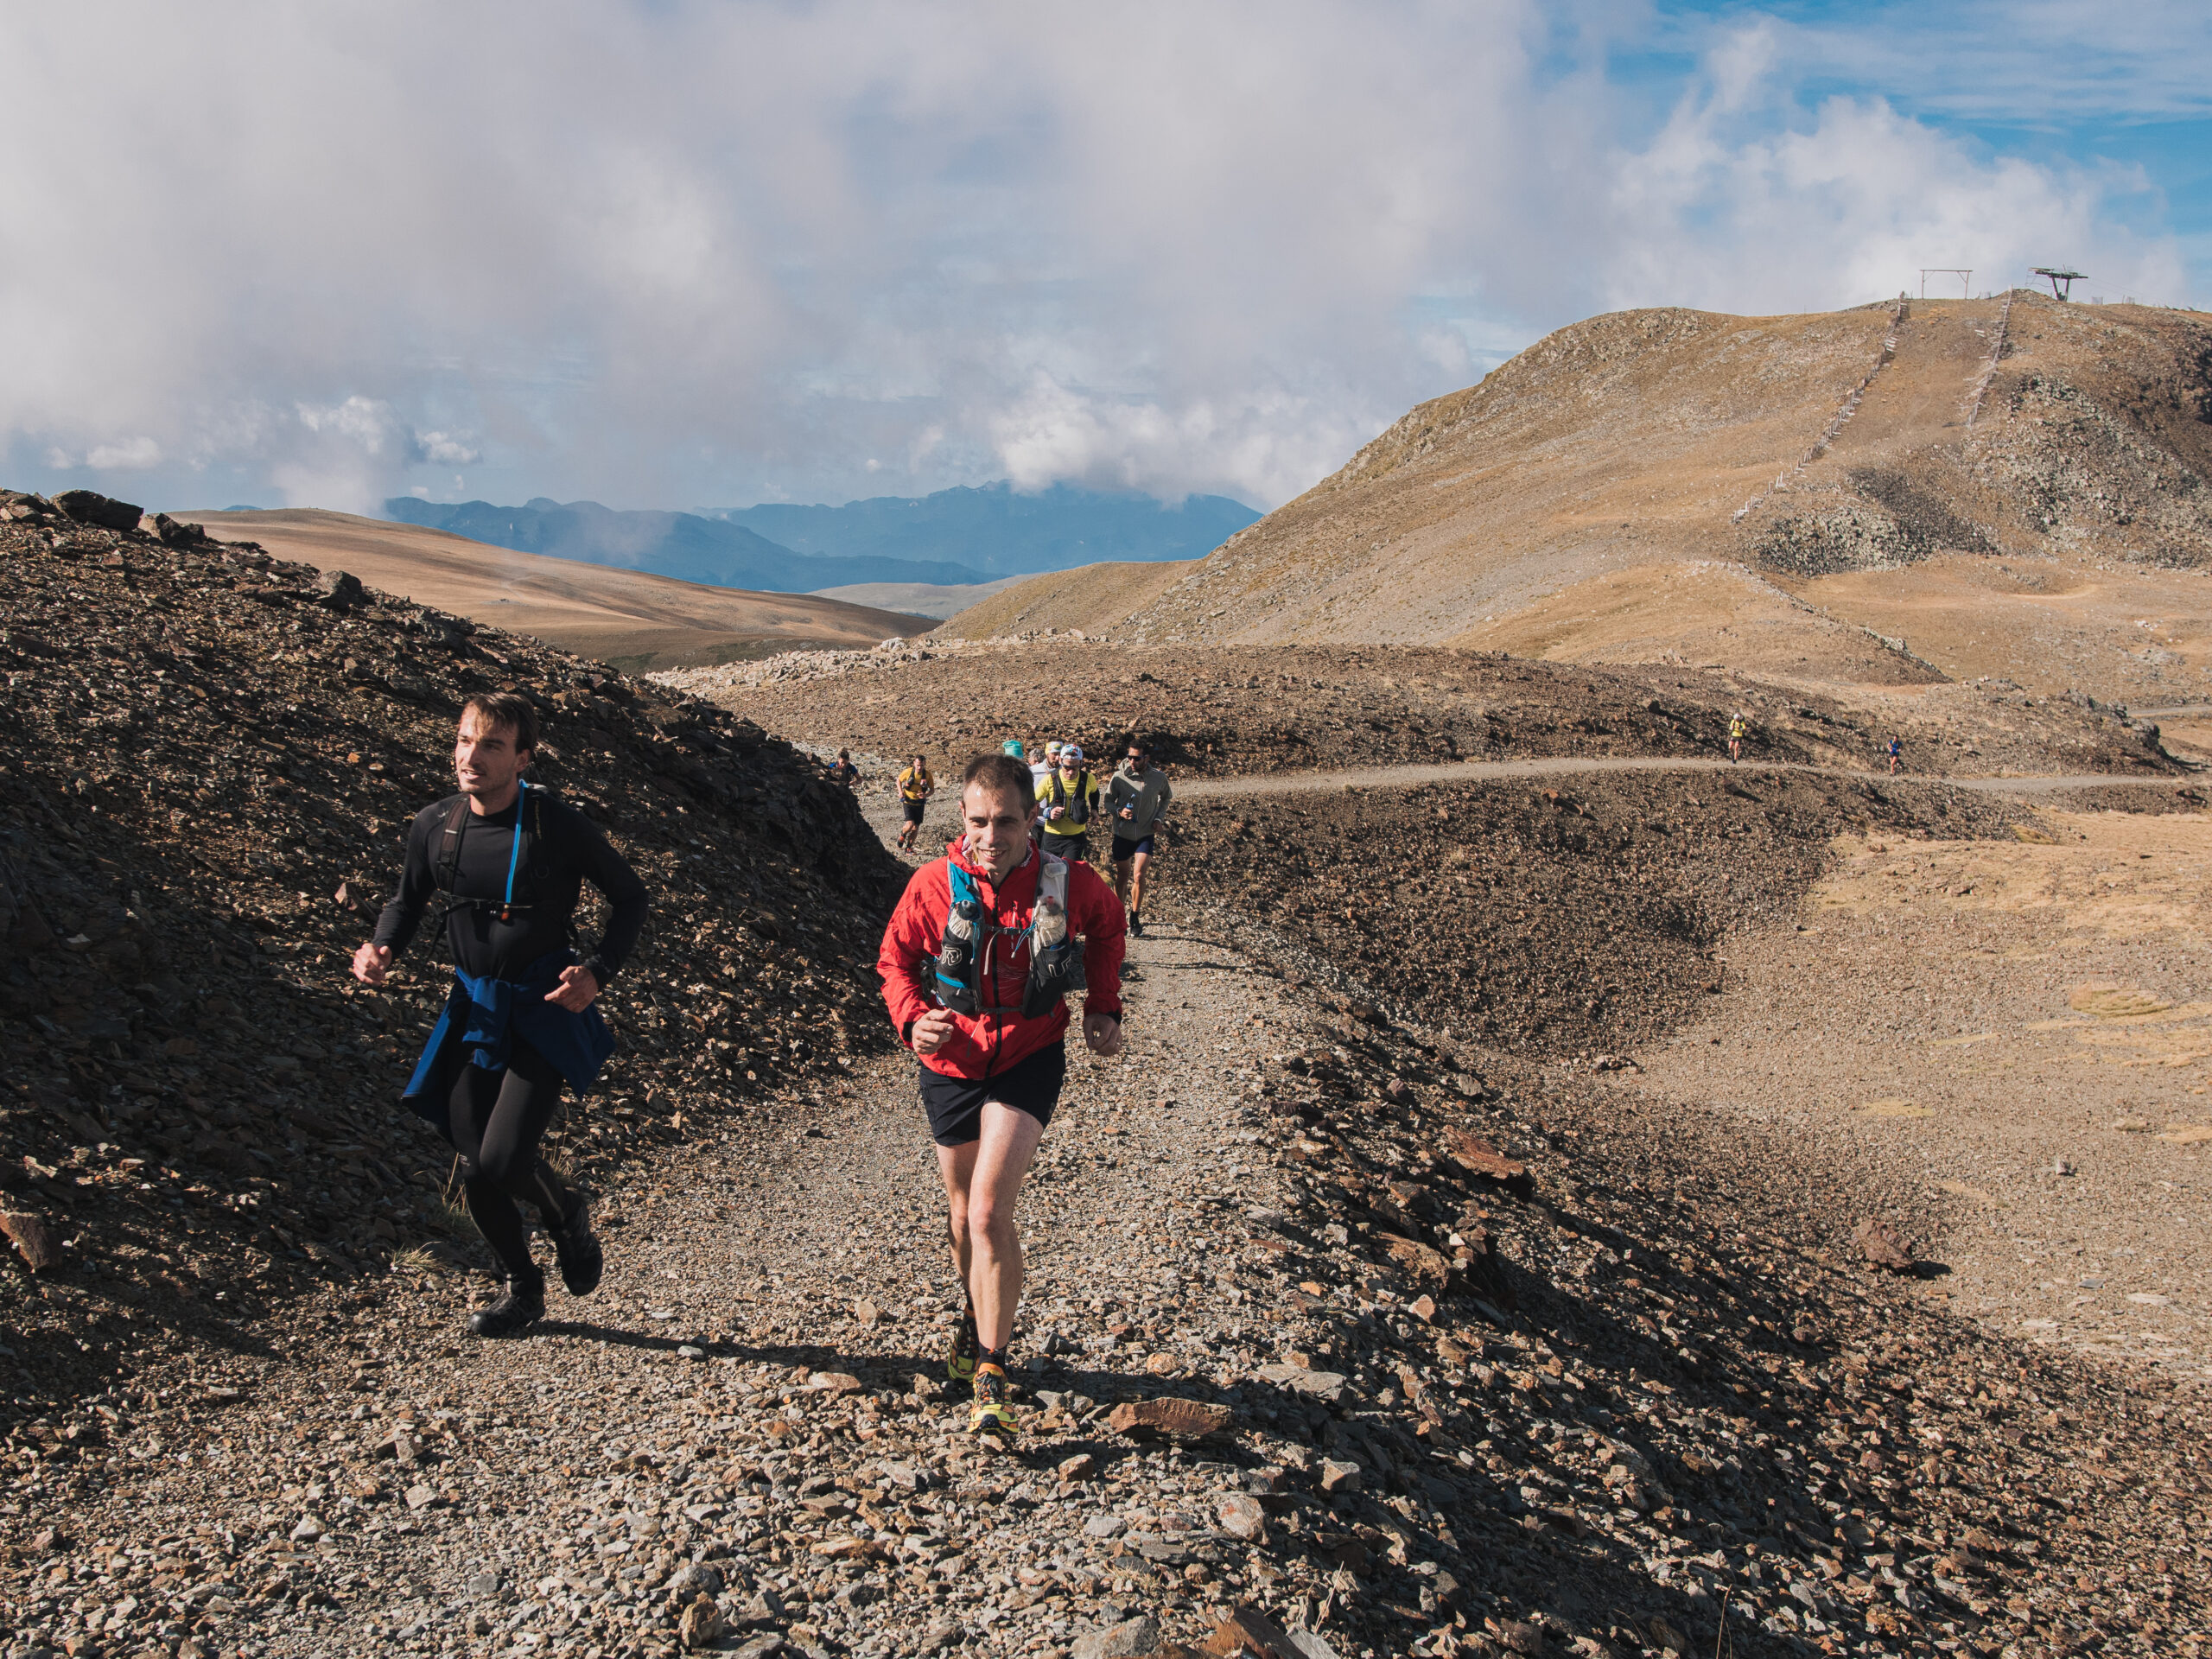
(1664, 1637)
(1327, 1387)
(307, 1531)
(688, 1351)
(1249, 1631)
(1423, 1308)
(1081, 1467)
(1425, 1263)
(1132, 1636)
(340, 590)
(31, 1236)
(1104, 1526)
(765, 1608)
(941, 1634)
(1339, 1476)
(421, 1496)
(760, 1647)
(904, 1476)
(702, 1625)
(866, 1313)
(1881, 1246)
(834, 1382)
(1163, 1365)
(483, 1584)
(1241, 1517)
(1181, 1420)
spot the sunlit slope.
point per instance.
(625, 616)
(1768, 493)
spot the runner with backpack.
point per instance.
(510, 862)
(978, 957)
(915, 788)
(1068, 806)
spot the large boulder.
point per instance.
(87, 507)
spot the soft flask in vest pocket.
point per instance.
(959, 954)
(1055, 957)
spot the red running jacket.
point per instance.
(990, 1042)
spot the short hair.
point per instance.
(1001, 774)
(505, 711)
(1142, 745)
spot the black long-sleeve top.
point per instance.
(560, 851)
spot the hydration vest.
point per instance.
(445, 867)
(1077, 801)
(1055, 957)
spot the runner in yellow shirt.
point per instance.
(915, 788)
(1068, 806)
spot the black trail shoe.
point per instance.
(522, 1307)
(581, 1260)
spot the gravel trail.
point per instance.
(1469, 772)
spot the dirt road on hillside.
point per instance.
(1469, 772)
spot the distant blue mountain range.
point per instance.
(998, 531)
(953, 537)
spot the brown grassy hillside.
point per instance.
(1766, 493)
(628, 618)
(1092, 598)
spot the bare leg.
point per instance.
(982, 1180)
(1122, 881)
(1136, 883)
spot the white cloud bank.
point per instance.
(694, 253)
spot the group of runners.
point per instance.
(978, 962)
(1068, 804)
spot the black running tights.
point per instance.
(498, 1118)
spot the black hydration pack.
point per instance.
(530, 824)
(1055, 955)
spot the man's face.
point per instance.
(485, 758)
(1136, 759)
(995, 826)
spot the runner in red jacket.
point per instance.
(989, 1076)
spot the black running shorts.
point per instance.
(1075, 847)
(956, 1104)
(914, 810)
(1126, 850)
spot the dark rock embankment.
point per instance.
(209, 759)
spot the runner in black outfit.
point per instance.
(520, 1021)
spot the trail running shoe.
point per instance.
(1136, 924)
(581, 1260)
(960, 1364)
(990, 1415)
(522, 1306)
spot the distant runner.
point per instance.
(1136, 795)
(915, 788)
(1896, 754)
(519, 1022)
(1736, 729)
(976, 961)
(1040, 769)
(845, 771)
(1068, 807)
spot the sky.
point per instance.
(677, 254)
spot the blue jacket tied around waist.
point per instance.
(486, 1015)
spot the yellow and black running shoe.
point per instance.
(990, 1415)
(960, 1364)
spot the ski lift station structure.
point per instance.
(2058, 274)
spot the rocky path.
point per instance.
(1469, 772)
(1483, 1365)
